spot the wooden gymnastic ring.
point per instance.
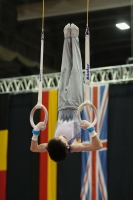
(87, 102)
(38, 106)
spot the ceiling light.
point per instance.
(122, 26)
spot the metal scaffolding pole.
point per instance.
(110, 75)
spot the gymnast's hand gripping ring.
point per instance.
(92, 106)
(38, 106)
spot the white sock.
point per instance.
(67, 31)
(74, 30)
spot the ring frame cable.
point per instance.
(87, 75)
(39, 103)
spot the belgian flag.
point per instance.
(4, 111)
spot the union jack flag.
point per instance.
(94, 164)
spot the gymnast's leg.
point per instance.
(66, 67)
(75, 88)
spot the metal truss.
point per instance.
(115, 74)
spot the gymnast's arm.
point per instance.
(86, 146)
(34, 147)
(95, 143)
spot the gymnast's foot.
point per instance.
(67, 31)
(74, 30)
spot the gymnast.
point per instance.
(67, 137)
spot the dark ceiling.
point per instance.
(108, 45)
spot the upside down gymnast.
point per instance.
(67, 138)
